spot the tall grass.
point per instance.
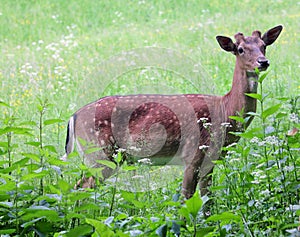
(58, 55)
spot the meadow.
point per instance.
(57, 56)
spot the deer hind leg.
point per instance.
(104, 150)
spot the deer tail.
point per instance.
(70, 139)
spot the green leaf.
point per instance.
(4, 104)
(175, 228)
(35, 175)
(254, 96)
(100, 228)
(281, 115)
(52, 121)
(7, 231)
(138, 204)
(50, 148)
(128, 196)
(30, 223)
(55, 161)
(237, 118)
(253, 114)
(107, 163)
(88, 206)
(183, 211)
(34, 144)
(255, 132)
(204, 231)
(162, 230)
(262, 77)
(32, 156)
(225, 216)
(81, 230)
(76, 196)
(194, 204)
(129, 167)
(16, 130)
(92, 150)
(4, 144)
(39, 212)
(271, 110)
(21, 162)
(119, 157)
(64, 186)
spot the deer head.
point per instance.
(250, 51)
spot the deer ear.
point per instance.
(271, 35)
(226, 44)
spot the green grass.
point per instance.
(57, 56)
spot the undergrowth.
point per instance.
(255, 191)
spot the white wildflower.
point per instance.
(231, 145)
(294, 118)
(203, 120)
(207, 125)
(145, 161)
(288, 168)
(265, 192)
(272, 140)
(226, 125)
(255, 140)
(121, 150)
(137, 177)
(203, 147)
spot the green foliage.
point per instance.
(51, 55)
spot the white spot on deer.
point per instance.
(102, 142)
(105, 122)
(112, 125)
(114, 109)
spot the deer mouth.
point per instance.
(262, 68)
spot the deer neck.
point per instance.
(235, 102)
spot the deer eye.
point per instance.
(240, 50)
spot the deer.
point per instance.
(183, 129)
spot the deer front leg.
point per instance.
(190, 180)
(205, 182)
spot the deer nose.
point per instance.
(263, 62)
